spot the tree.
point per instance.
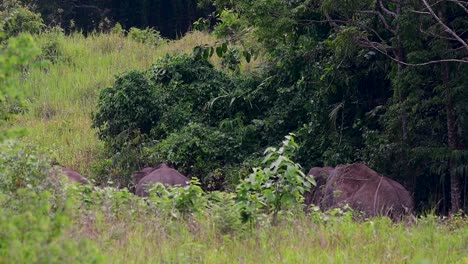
(424, 42)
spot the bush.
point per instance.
(147, 36)
(22, 166)
(129, 105)
(199, 151)
(224, 212)
(275, 187)
(36, 214)
(178, 201)
(168, 112)
(33, 229)
(51, 45)
(16, 19)
(117, 30)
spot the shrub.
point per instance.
(51, 45)
(117, 30)
(178, 201)
(168, 112)
(273, 188)
(199, 151)
(21, 166)
(129, 105)
(33, 229)
(35, 213)
(16, 19)
(147, 36)
(224, 211)
(229, 24)
(231, 59)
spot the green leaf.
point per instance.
(219, 51)
(247, 56)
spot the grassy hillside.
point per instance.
(122, 228)
(61, 96)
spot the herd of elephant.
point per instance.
(355, 184)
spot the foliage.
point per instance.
(117, 29)
(198, 151)
(127, 106)
(165, 115)
(18, 52)
(51, 43)
(22, 167)
(36, 212)
(146, 36)
(224, 210)
(277, 186)
(16, 19)
(33, 230)
(178, 201)
(377, 82)
(229, 24)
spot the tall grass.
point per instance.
(153, 240)
(62, 96)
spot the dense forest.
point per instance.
(383, 83)
(171, 18)
(236, 101)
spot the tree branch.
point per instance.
(447, 29)
(387, 11)
(375, 46)
(462, 5)
(382, 18)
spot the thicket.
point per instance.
(384, 83)
(355, 82)
(171, 113)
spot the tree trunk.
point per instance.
(400, 55)
(452, 131)
(453, 142)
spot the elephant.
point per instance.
(320, 175)
(162, 174)
(72, 175)
(363, 189)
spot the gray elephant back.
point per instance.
(139, 175)
(161, 174)
(71, 175)
(365, 190)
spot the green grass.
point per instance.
(153, 240)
